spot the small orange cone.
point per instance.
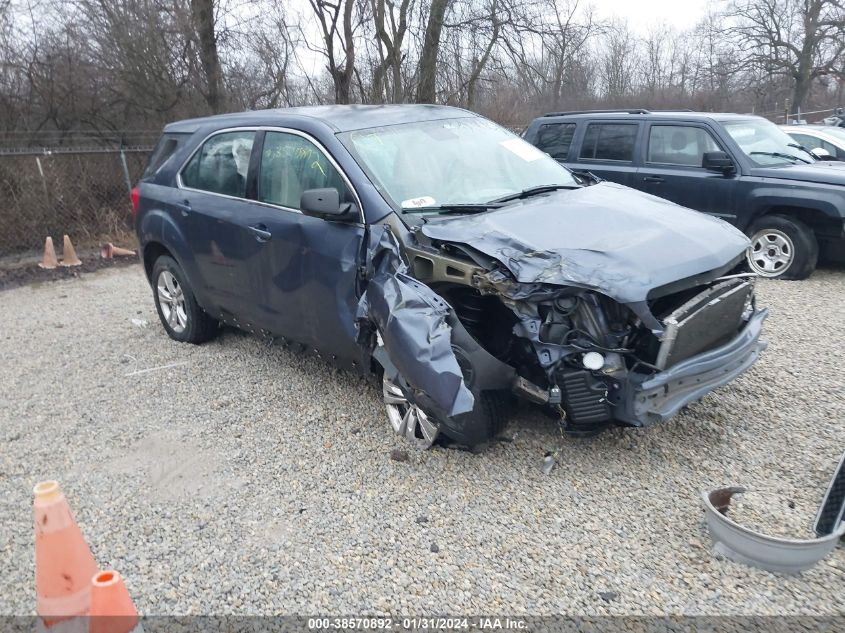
(49, 260)
(109, 250)
(63, 562)
(69, 257)
(112, 610)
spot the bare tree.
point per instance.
(618, 61)
(337, 29)
(800, 39)
(391, 25)
(427, 74)
(202, 14)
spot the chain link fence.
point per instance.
(80, 192)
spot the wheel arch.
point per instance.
(152, 251)
(818, 210)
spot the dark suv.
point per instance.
(741, 168)
(460, 262)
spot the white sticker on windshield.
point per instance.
(416, 203)
(525, 151)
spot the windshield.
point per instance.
(765, 143)
(461, 161)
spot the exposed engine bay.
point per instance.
(597, 336)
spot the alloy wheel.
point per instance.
(771, 252)
(171, 300)
(408, 419)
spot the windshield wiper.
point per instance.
(804, 149)
(533, 191)
(461, 207)
(779, 155)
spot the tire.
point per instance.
(422, 430)
(183, 318)
(490, 414)
(782, 248)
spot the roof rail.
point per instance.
(622, 111)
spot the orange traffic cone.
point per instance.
(109, 250)
(63, 563)
(69, 257)
(112, 610)
(49, 261)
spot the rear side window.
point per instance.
(609, 141)
(221, 164)
(679, 145)
(163, 150)
(291, 164)
(555, 139)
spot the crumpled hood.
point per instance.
(824, 172)
(608, 237)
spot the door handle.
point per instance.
(655, 179)
(184, 207)
(261, 232)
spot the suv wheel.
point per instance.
(782, 247)
(422, 430)
(182, 317)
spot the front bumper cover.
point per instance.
(660, 396)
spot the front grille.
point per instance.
(709, 319)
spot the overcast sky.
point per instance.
(641, 14)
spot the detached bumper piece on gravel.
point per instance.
(743, 545)
(831, 515)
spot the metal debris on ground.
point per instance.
(548, 463)
(743, 545)
(138, 372)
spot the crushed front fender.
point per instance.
(413, 323)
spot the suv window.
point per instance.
(679, 145)
(221, 164)
(291, 164)
(163, 150)
(609, 141)
(555, 139)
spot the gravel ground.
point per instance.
(251, 479)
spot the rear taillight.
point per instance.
(135, 194)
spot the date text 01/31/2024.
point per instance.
(411, 624)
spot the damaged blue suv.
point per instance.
(459, 262)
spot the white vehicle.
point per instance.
(826, 142)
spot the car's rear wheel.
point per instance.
(180, 314)
(782, 247)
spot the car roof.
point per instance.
(643, 114)
(341, 118)
(812, 130)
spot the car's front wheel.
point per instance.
(407, 419)
(182, 317)
(487, 419)
(782, 247)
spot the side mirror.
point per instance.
(717, 161)
(822, 154)
(325, 203)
